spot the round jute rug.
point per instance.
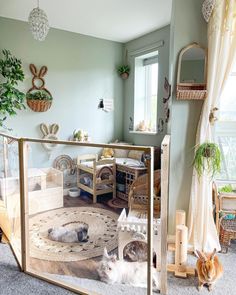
(102, 233)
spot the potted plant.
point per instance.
(226, 189)
(124, 71)
(39, 100)
(207, 158)
(11, 99)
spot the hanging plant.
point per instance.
(39, 95)
(124, 71)
(207, 159)
(11, 99)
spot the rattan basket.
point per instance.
(227, 232)
(189, 92)
(39, 105)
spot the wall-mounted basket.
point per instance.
(39, 105)
(192, 73)
(39, 99)
(194, 91)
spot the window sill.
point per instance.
(144, 132)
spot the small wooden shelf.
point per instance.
(90, 165)
(191, 91)
(143, 132)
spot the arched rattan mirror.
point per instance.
(192, 72)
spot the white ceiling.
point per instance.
(117, 20)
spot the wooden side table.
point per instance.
(125, 177)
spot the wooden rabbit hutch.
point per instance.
(100, 176)
(41, 184)
(45, 191)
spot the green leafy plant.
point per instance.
(123, 69)
(207, 158)
(226, 189)
(11, 99)
(38, 95)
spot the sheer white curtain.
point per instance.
(221, 54)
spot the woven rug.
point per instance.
(102, 232)
(117, 203)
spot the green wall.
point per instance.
(187, 26)
(163, 51)
(81, 70)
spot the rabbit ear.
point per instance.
(213, 254)
(201, 255)
(43, 71)
(113, 258)
(44, 129)
(54, 128)
(105, 253)
(33, 69)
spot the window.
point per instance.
(146, 92)
(226, 129)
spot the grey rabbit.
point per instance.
(62, 234)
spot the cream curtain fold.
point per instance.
(221, 55)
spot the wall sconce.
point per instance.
(107, 105)
(101, 104)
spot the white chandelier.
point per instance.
(38, 22)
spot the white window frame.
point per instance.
(143, 74)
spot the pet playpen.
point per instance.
(32, 200)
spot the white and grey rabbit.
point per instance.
(62, 234)
(112, 271)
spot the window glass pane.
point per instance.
(153, 99)
(228, 101)
(146, 93)
(226, 129)
(227, 146)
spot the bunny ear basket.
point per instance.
(39, 98)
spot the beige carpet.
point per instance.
(15, 282)
(102, 232)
